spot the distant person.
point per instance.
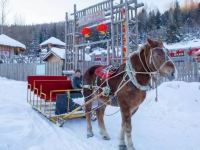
(77, 80)
(76, 84)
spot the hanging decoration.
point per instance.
(178, 53)
(192, 51)
(86, 32)
(171, 54)
(102, 28)
(124, 49)
(196, 59)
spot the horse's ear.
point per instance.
(151, 43)
(160, 42)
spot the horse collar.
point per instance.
(132, 76)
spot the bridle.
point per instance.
(131, 73)
(150, 62)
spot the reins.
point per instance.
(124, 81)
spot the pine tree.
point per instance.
(173, 27)
(177, 16)
(158, 20)
(151, 24)
(142, 24)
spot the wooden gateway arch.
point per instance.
(122, 37)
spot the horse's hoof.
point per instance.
(90, 135)
(131, 148)
(122, 147)
(106, 137)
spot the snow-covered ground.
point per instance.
(195, 43)
(172, 123)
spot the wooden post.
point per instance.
(112, 31)
(66, 41)
(75, 57)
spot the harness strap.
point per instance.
(131, 74)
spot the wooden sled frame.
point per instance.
(31, 82)
(45, 100)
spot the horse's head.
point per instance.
(157, 59)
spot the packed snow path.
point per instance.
(173, 123)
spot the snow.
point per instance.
(98, 51)
(172, 123)
(53, 41)
(184, 45)
(7, 41)
(87, 57)
(59, 52)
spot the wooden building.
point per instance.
(52, 42)
(55, 55)
(10, 47)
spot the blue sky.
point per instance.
(45, 11)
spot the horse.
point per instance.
(128, 86)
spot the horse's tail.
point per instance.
(89, 77)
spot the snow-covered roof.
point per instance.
(8, 41)
(59, 52)
(184, 45)
(53, 41)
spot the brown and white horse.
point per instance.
(128, 85)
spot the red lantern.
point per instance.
(102, 28)
(86, 32)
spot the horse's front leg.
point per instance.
(126, 119)
(122, 144)
(100, 118)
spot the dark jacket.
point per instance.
(77, 83)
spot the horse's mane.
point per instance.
(141, 49)
(146, 46)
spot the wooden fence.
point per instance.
(188, 72)
(21, 71)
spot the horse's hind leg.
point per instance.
(88, 120)
(100, 118)
(87, 93)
